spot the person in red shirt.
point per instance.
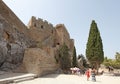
(88, 74)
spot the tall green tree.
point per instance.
(64, 57)
(94, 47)
(74, 59)
(117, 56)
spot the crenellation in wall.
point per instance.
(39, 23)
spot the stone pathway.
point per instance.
(72, 79)
(22, 78)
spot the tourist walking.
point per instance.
(93, 73)
(87, 74)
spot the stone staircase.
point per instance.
(16, 78)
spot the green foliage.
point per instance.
(74, 60)
(64, 57)
(94, 48)
(115, 63)
(106, 59)
(117, 56)
(108, 62)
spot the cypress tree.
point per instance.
(94, 47)
(74, 60)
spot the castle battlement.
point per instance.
(59, 25)
(39, 23)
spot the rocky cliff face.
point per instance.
(13, 39)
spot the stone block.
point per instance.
(37, 61)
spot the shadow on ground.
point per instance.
(50, 76)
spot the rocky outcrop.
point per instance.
(14, 39)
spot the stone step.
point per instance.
(23, 79)
(16, 79)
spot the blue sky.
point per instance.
(77, 16)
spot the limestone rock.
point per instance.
(14, 39)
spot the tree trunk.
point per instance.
(97, 67)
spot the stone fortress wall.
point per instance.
(45, 33)
(41, 31)
(30, 48)
(49, 39)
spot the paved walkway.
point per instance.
(72, 79)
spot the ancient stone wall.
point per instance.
(63, 36)
(32, 47)
(41, 31)
(40, 62)
(46, 34)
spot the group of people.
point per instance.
(75, 70)
(91, 73)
